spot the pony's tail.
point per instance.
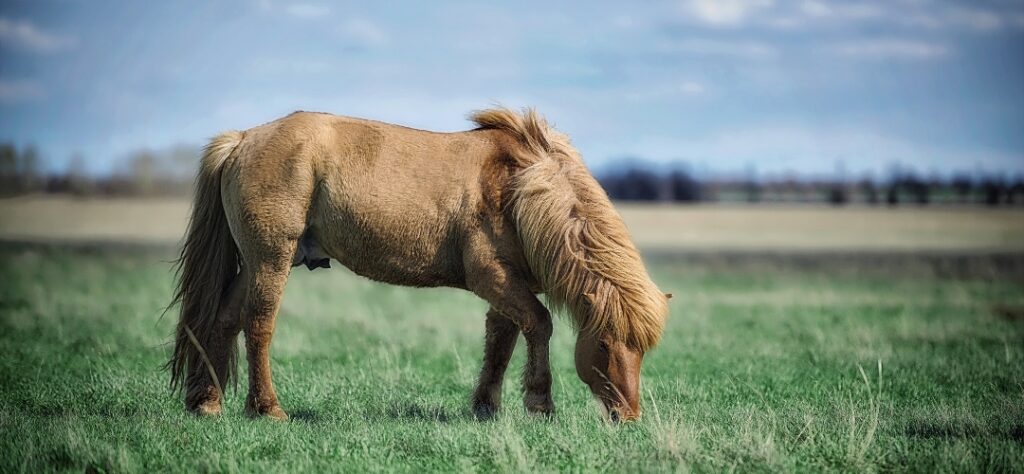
(205, 269)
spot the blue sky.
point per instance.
(781, 86)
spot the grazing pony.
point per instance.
(506, 210)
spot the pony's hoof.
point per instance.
(271, 413)
(208, 409)
(540, 406)
(484, 411)
(276, 414)
(543, 411)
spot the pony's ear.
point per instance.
(668, 296)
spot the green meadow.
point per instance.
(770, 362)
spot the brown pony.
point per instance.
(507, 210)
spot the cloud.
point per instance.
(826, 14)
(840, 11)
(690, 88)
(362, 32)
(889, 49)
(974, 19)
(20, 91)
(28, 37)
(725, 12)
(307, 11)
(713, 47)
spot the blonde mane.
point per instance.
(575, 242)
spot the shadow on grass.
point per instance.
(961, 430)
(305, 415)
(942, 429)
(1011, 313)
(412, 411)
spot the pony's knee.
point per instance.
(539, 327)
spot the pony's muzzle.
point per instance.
(613, 416)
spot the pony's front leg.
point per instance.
(512, 297)
(500, 341)
(263, 300)
(537, 373)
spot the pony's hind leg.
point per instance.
(204, 395)
(500, 341)
(267, 196)
(266, 287)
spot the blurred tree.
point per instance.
(751, 186)
(632, 184)
(892, 196)
(640, 185)
(683, 187)
(869, 190)
(993, 190)
(918, 189)
(143, 172)
(29, 175)
(77, 181)
(962, 186)
(837, 195)
(1015, 193)
(8, 169)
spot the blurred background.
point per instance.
(879, 102)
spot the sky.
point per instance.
(809, 87)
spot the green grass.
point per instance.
(768, 364)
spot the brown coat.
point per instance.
(507, 210)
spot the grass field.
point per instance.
(771, 361)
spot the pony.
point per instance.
(506, 210)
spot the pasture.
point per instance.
(893, 343)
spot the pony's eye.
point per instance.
(604, 346)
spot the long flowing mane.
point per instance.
(575, 242)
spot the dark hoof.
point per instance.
(484, 411)
(541, 411)
(539, 405)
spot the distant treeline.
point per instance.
(170, 172)
(903, 187)
(144, 173)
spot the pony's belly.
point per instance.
(394, 259)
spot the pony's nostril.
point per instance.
(614, 416)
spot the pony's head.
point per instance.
(612, 371)
(610, 366)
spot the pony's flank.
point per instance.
(575, 242)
